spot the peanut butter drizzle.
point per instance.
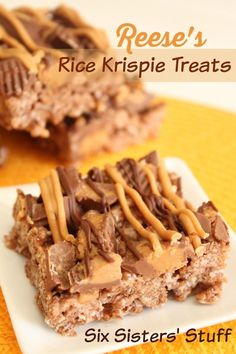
(13, 17)
(39, 15)
(60, 204)
(149, 235)
(32, 46)
(194, 221)
(54, 206)
(165, 234)
(151, 178)
(10, 41)
(154, 188)
(48, 26)
(17, 50)
(171, 207)
(179, 202)
(186, 216)
(19, 28)
(188, 224)
(28, 60)
(82, 27)
(49, 208)
(71, 15)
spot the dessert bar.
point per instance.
(116, 241)
(69, 113)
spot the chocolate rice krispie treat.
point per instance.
(116, 241)
(72, 114)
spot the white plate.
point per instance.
(35, 337)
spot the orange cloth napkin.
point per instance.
(203, 137)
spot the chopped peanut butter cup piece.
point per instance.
(220, 231)
(61, 258)
(103, 274)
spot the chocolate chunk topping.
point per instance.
(219, 230)
(62, 20)
(9, 28)
(96, 175)
(105, 273)
(34, 29)
(130, 245)
(61, 16)
(37, 212)
(102, 226)
(104, 202)
(134, 176)
(62, 38)
(176, 181)
(95, 187)
(208, 209)
(156, 206)
(95, 195)
(29, 204)
(61, 258)
(3, 155)
(69, 179)
(106, 191)
(87, 230)
(204, 221)
(75, 274)
(151, 158)
(73, 212)
(87, 264)
(106, 256)
(88, 199)
(14, 77)
(140, 267)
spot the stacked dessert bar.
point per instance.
(73, 115)
(116, 241)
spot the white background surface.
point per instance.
(35, 337)
(215, 18)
